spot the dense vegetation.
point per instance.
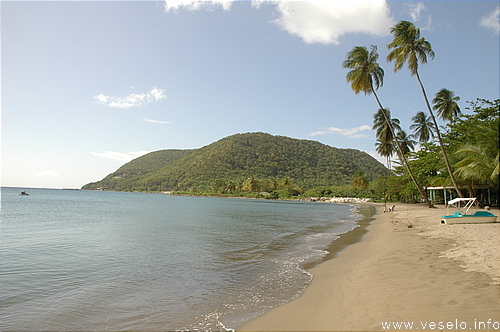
(472, 144)
(148, 163)
(242, 164)
(464, 154)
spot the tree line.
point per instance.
(461, 169)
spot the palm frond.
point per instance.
(365, 75)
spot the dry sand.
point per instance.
(407, 268)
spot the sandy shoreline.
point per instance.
(408, 268)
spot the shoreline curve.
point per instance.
(406, 268)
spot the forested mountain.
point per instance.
(149, 163)
(125, 177)
(307, 163)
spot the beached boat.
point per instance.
(461, 216)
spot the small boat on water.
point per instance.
(24, 193)
(461, 216)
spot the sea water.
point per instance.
(87, 260)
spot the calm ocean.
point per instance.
(84, 260)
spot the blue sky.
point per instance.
(87, 86)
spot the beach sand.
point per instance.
(407, 268)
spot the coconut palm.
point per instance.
(407, 144)
(386, 145)
(480, 160)
(409, 47)
(385, 130)
(476, 164)
(359, 180)
(385, 149)
(367, 76)
(251, 184)
(422, 127)
(445, 104)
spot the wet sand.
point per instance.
(407, 268)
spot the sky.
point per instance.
(88, 86)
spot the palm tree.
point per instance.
(445, 104)
(480, 160)
(385, 149)
(367, 76)
(251, 184)
(477, 164)
(406, 142)
(359, 180)
(231, 186)
(422, 127)
(409, 46)
(383, 128)
(385, 133)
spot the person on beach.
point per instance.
(385, 207)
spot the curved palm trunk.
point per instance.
(445, 156)
(402, 156)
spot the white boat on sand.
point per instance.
(461, 216)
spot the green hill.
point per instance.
(235, 158)
(126, 177)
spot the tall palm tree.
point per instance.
(408, 46)
(407, 143)
(422, 127)
(385, 131)
(385, 149)
(383, 128)
(367, 76)
(445, 104)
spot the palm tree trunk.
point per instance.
(401, 155)
(445, 156)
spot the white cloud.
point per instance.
(132, 100)
(175, 5)
(257, 3)
(416, 9)
(492, 21)
(156, 121)
(120, 156)
(325, 21)
(349, 132)
(47, 173)
(318, 21)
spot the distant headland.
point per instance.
(271, 166)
